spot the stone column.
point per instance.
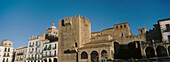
(167, 51)
(89, 57)
(99, 57)
(155, 51)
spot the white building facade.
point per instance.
(165, 29)
(36, 45)
(50, 53)
(6, 50)
(20, 54)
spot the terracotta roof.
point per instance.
(98, 41)
(164, 19)
(94, 46)
(5, 40)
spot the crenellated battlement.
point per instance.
(70, 20)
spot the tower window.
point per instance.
(124, 26)
(120, 26)
(75, 44)
(121, 34)
(116, 27)
(62, 23)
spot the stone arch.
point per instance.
(50, 60)
(134, 50)
(169, 49)
(150, 52)
(94, 56)
(104, 54)
(55, 59)
(84, 55)
(116, 47)
(161, 51)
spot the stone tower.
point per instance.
(142, 30)
(122, 30)
(73, 33)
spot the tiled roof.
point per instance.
(94, 46)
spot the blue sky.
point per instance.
(19, 19)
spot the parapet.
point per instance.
(70, 20)
(33, 37)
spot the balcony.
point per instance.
(54, 48)
(31, 45)
(6, 56)
(50, 55)
(20, 54)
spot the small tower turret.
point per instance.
(52, 30)
(142, 30)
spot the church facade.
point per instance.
(78, 44)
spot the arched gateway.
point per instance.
(94, 56)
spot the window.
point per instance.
(121, 34)
(50, 53)
(84, 55)
(5, 49)
(54, 53)
(116, 27)
(4, 54)
(76, 44)
(124, 26)
(120, 26)
(5, 44)
(36, 43)
(8, 54)
(30, 44)
(62, 22)
(167, 27)
(33, 44)
(55, 46)
(32, 49)
(46, 53)
(141, 31)
(45, 47)
(8, 49)
(49, 48)
(169, 38)
(9, 44)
